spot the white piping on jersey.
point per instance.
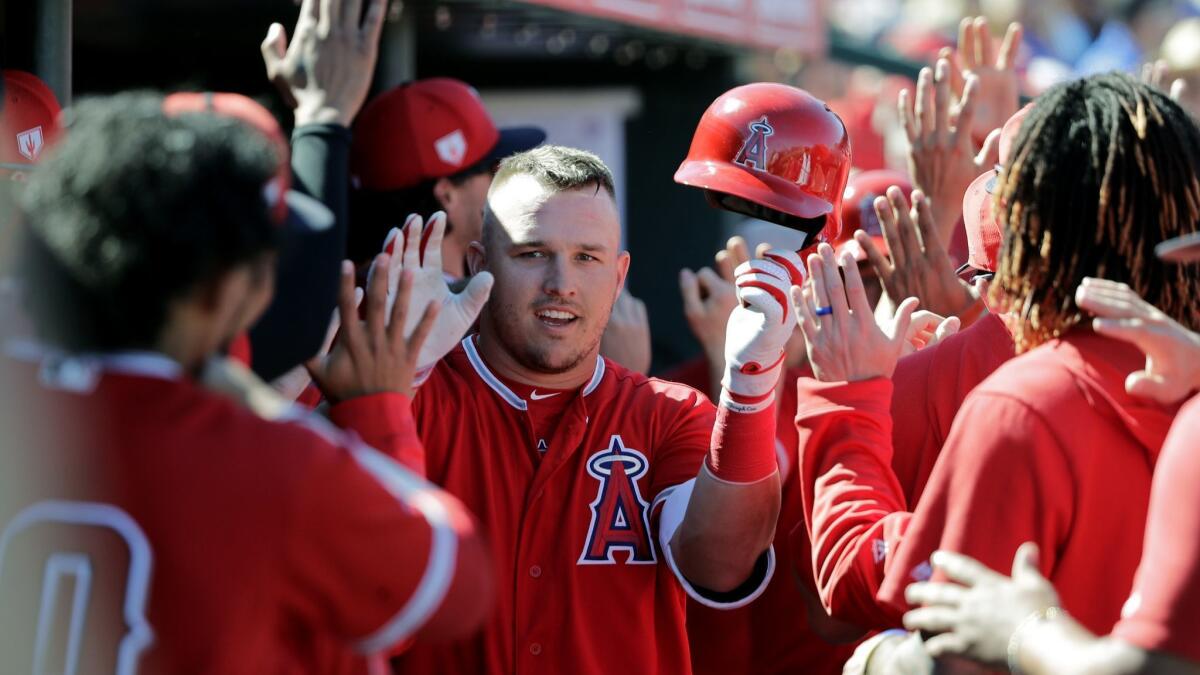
(502, 389)
(81, 371)
(416, 493)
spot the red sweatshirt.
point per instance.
(1049, 448)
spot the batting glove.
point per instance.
(420, 247)
(758, 329)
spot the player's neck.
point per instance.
(503, 364)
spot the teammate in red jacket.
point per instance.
(1055, 425)
(172, 529)
(606, 496)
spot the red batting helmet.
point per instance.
(858, 208)
(773, 152)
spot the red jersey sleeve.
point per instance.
(1164, 610)
(377, 554)
(996, 485)
(384, 422)
(686, 420)
(853, 505)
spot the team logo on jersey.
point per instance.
(753, 154)
(620, 517)
(30, 142)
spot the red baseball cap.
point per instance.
(291, 209)
(858, 209)
(982, 227)
(429, 129)
(28, 120)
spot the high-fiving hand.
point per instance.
(326, 71)
(374, 355)
(844, 342)
(419, 246)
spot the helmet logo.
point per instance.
(754, 151)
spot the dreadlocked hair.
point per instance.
(1103, 169)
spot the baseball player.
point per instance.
(172, 529)
(606, 496)
(776, 153)
(929, 386)
(1050, 447)
(1019, 623)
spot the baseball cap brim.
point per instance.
(514, 140)
(1183, 249)
(979, 221)
(305, 214)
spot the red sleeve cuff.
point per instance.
(819, 398)
(384, 422)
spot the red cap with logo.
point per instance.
(428, 129)
(773, 152)
(984, 233)
(28, 120)
(290, 208)
(858, 209)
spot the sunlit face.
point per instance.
(558, 266)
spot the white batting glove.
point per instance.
(758, 329)
(421, 252)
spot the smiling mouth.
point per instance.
(556, 318)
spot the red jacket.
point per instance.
(1049, 448)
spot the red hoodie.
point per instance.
(1049, 448)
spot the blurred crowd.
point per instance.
(375, 398)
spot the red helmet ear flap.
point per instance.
(774, 152)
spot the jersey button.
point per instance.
(535, 648)
(535, 571)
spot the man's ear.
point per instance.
(476, 258)
(443, 191)
(622, 271)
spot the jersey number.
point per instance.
(74, 577)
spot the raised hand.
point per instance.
(941, 156)
(1172, 369)
(626, 339)
(326, 71)
(977, 615)
(844, 342)
(708, 301)
(418, 249)
(375, 355)
(978, 55)
(919, 266)
(759, 327)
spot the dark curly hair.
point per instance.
(1103, 169)
(134, 209)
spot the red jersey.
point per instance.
(572, 521)
(1049, 448)
(770, 635)
(174, 531)
(1163, 612)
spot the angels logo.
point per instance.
(619, 514)
(754, 151)
(29, 143)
